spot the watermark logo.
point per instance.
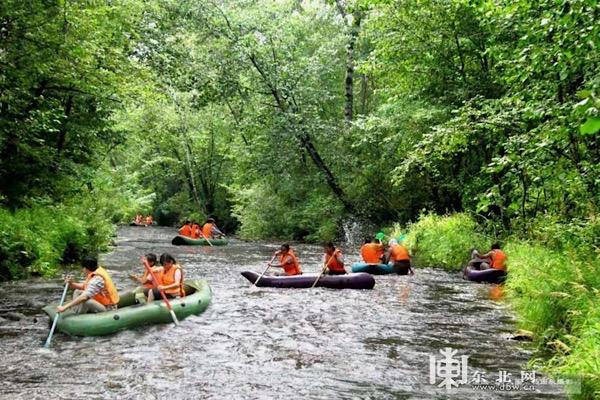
(451, 370)
(448, 369)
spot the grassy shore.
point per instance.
(553, 285)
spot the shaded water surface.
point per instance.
(264, 343)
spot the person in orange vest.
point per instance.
(149, 220)
(496, 257)
(399, 258)
(186, 229)
(146, 279)
(170, 279)
(372, 251)
(210, 230)
(288, 261)
(139, 219)
(196, 230)
(333, 259)
(96, 294)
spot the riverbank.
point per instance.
(34, 241)
(553, 285)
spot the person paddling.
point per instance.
(186, 229)
(210, 230)
(372, 251)
(96, 294)
(196, 229)
(287, 261)
(170, 278)
(399, 258)
(333, 259)
(146, 279)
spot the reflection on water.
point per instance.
(263, 343)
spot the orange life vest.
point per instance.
(333, 263)
(371, 253)
(290, 268)
(185, 230)
(196, 231)
(146, 275)
(108, 295)
(207, 230)
(498, 259)
(168, 278)
(399, 253)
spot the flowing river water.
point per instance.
(269, 343)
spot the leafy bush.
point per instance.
(286, 216)
(444, 241)
(37, 239)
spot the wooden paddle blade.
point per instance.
(175, 320)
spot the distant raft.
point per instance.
(490, 275)
(373, 269)
(349, 281)
(188, 241)
(131, 315)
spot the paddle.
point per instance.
(56, 316)
(324, 268)
(268, 266)
(162, 293)
(205, 238)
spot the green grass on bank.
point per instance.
(38, 239)
(553, 284)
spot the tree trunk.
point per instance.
(288, 107)
(349, 81)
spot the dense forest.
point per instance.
(286, 119)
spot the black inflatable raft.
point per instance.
(359, 280)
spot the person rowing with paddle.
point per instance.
(210, 230)
(196, 229)
(146, 279)
(96, 294)
(287, 261)
(333, 259)
(170, 279)
(186, 229)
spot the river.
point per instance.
(269, 343)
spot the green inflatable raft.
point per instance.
(131, 315)
(184, 240)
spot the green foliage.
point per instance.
(38, 239)
(285, 216)
(65, 68)
(444, 241)
(555, 294)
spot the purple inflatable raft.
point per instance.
(350, 281)
(483, 276)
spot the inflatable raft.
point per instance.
(349, 281)
(374, 269)
(131, 315)
(144, 225)
(188, 241)
(490, 275)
